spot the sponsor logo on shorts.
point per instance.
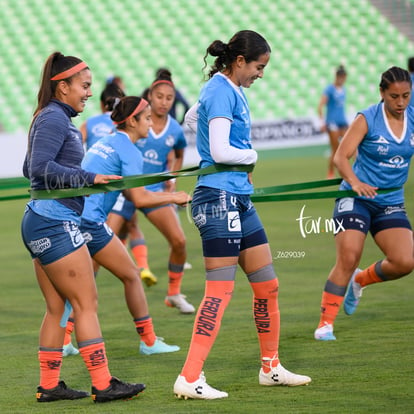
(359, 222)
(233, 221)
(200, 219)
(40, 245)
(345, 204)
(394, 209)
(87, 237)
(74, 233)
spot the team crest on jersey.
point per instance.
(169, 141)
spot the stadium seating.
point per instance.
(309, 39)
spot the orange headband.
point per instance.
(68, 73)
(142, 104)
(162, 81)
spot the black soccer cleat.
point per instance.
(60, 392)
(117, 390)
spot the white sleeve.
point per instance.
(221, 150)
(191, 117)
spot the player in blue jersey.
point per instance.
(334, 122)
(410, 66)
(166, 135)
(180, 106)
(117, 153)
(98, 126)
(50, 231)
(229, 225)
(383, 134)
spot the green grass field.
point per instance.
(369, 369)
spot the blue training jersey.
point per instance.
(383, 159)
(335, 105)
(97, 127)
(113, 154)
(219, 98)
(156, 147)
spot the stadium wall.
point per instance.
(278, 133)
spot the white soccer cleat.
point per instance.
(325, 333)
(281, 376)
(187, 266)
(198, 389)
(69, 350)
(178, 301)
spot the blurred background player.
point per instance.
(334, 122)
(383, 135)
(165, 137)
(116, 80)
(98, 126)
(180, 105)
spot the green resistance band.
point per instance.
(263, 194)
(275, 193)
(137, 181)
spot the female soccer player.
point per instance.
(51, 234)
(117, 153)
(335, 122)
(229, 226)
(166, 135)
(384, 137)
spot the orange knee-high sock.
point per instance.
(50, 360)
(145, 330)
(332, 298)
(370, 275)
(330, 305)
(175, 277)
(267, 319)
(94, 355)
(140, 252)
(206, 326)
(68, 332)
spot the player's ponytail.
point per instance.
(246, 43)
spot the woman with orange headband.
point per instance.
(117, 154)
(166, 136)
(50, 231)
